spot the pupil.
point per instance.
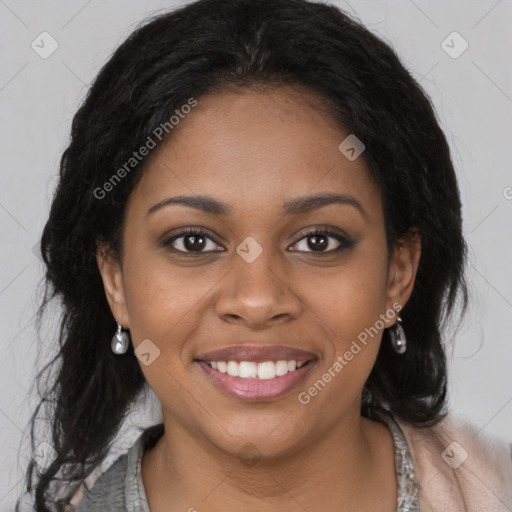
(319, 246)
(194, 245)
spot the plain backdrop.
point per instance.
(472, 93)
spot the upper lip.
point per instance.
(257, 353)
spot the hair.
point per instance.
(210, 46)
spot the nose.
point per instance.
(258, 295)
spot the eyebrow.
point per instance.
(291, 207)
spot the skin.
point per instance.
(256, 150)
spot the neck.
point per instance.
(341, 468)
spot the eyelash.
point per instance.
(345, 242)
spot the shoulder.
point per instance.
(121, 482)
(460, 466)
(108, 492)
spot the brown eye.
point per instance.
(323, 241)
(191, 241)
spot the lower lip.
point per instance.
(255, 389)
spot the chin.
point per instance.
(254, 437)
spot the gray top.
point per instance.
(120, 488)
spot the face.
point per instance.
(313, 277)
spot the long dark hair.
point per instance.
(209, 46)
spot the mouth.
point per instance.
(265, 370)
(256, 373)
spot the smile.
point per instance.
(251, 381)
(255, 370)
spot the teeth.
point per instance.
(281, 367)
(253, 370)
(247, 369)
(233, 368)
(267, 370)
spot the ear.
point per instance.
(402, 271)
(112, 276)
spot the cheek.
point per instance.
(357, 297)
(353, 315)
(165, 302)
(353, 298)
(165, 306)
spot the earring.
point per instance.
(397, 336)
(120, 341)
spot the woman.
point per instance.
(258, 218)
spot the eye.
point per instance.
(196, 241)
(321, 239)
(190, 241)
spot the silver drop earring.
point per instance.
(397, 336)
(120, 341)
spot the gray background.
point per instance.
(473, 98)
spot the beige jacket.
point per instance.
(460, 468)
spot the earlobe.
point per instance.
(403, 269)
(112, 277)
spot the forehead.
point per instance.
(254, 149)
